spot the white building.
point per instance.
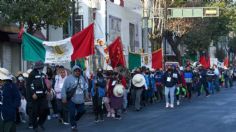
(112, 20)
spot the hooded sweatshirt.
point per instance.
(70, 82)
(59, 81)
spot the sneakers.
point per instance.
(178, 103)
(30, 127)
(66, 123)
(108, 114)
(167, 105)
(113, 115)
(171, 106)
(118, 117)
(49, 117)
(74, 129)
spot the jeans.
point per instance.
(76, 112)
(171, 91)
(226, 82)
(125, 99)
(217, 83)
(231, 82)
(211, 87)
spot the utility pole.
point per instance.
(145, 18)
(165, 32)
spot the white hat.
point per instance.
(225, 67)
(200, 65)
(5, 74)
(138, 80)
(118, 90)
(152, 69)
(26, 74)
(108, 68)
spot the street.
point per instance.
(216, 113)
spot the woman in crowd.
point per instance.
(116, 100)
(61, 108)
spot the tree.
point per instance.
(36, 13)
(220, 54)
(232, 45)
(195, 33)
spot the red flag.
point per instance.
(116, 53)
(122, 3)
(205, 61)
(157, 59)
(226, 61)
(21, 32)
(83, 43)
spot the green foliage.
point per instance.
(222, 25)
(208, 29)
(36, 13)
(197, 39)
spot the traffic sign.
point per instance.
(192, 12)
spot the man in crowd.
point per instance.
(37, 96)
(73, 92)
(9, 102)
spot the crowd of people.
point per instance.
(28, 96)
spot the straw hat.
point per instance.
(138, 80)
(5, 74)
(118, 90)
(19, 73)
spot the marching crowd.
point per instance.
(29, 96)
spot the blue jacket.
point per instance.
(158, 76)
(101, 84)
(11, 100)
(188, 76)
(153, 82)
(147, 78)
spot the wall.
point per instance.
(11, 56)
(127, 16)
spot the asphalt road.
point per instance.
(216, 113)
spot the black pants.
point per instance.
(39, 112)
(18, 118)
(29, 112)
(160, 92)
(98, 107)
(189, 88)
(54, 106)
(62, 110)
(205, 86)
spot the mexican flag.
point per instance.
(78, 46)
(134, 60)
